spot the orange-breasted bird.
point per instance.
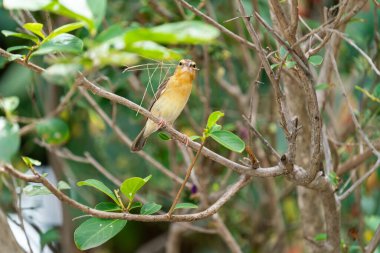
(169, 100)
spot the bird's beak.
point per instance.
(186, 68)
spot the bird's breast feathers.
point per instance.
(172, 99)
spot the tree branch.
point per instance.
(239, 168)
(359, 181)
(356, 160)
(262, 139)
(374, 241)
(214, 208)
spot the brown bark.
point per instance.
(308, 200)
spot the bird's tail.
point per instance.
(139, 142)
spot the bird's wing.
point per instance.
(160, 90)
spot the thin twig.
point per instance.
(356, 160)
(188, 173)
(374, 241)
(354, 119)
(359, 181)
(262, 139)
(353, 44)
(18, 207)
(101, 169)
(215, 24)
(226, 235)
(62, 105)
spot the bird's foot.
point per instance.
(162, 124)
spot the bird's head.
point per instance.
(186, 67)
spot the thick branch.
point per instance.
(229, 193)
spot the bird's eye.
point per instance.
(180, 63)
(193, 65)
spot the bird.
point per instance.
(169, 101)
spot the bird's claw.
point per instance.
(162, 123)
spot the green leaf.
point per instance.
(150, 208)
(322, 86)
(275, 65)
(34, 5)
(131, 185)
(320, 237)
(213, 118)
(16, 48)
(185, 206)
(228, 140)
(152, 50)
(135, 205)
(283, 52)
(25, 36)
(185, 32)
(35, 190)
(61, 73)
(62, 185)
(30, 162)
(99, 186)
(9, 104)
(110, 33)
(64, 29)
(215, 128)
(104, 55)
(107, 207)
(333, 178)
(64, 43)
(94, 232)
(290, 64)
(35, 28)
(194, 137)
(163, 136)
(9, 139)
(14, 57)
(89, 11)
(52, 235)
(98, 9)
(315, 60)
(54, 131)
(78, 9)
